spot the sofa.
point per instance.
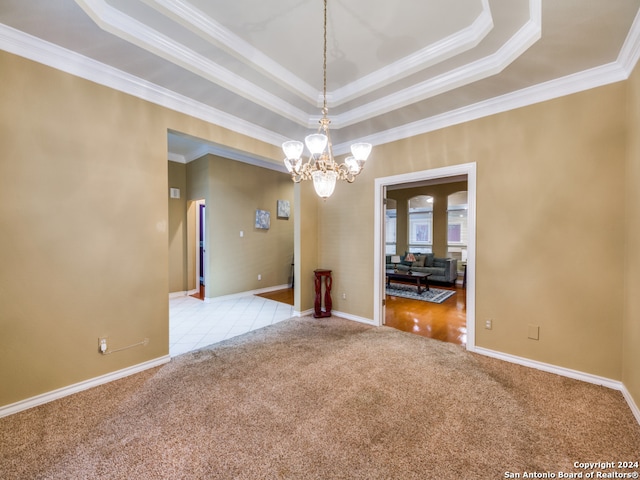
(443, 270)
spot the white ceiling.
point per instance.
(394, 69)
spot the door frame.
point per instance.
(468, 169)
(201, 230)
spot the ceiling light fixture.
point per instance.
(321, 166)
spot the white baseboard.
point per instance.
(348, 316)
(547, 367)
(565, 372)
(634, 408)
(78, 387)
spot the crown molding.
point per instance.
(33, 48)
(206, 27)
(210, 30)
(630, 51)
(122, 26)
(492, 64)
(454, 44)
(22, 44)
(222, 151)
(586, 80)
(175, 157)
(617, 71)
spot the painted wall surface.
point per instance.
(197, 191)
(84, 226)
(549, 213)
(85, 232)
(631, 326)
(178, 228)
(233, 191)
(306, 245)
(236, 191)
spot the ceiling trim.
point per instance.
(617, 71)
(197, 21)
(22, 44)
(206, 27)
(630, 51)
(454, 44)
(568, 85)
(526, 36)
(54, 56)
(122, 26)
(226, 152)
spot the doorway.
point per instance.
(200, 250)
(444, 174)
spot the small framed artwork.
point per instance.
(263, 219)
(283, 209)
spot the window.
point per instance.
(390, 225)
(455, 231)
(457, 226)
(421, 224)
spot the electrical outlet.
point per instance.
(488, 324)
(102, 344)
(534, 332)
(259, 277)
(344, 296)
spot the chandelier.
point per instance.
(321, 166)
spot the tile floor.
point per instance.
(194, 324)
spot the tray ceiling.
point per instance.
(393, 69)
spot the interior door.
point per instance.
(383, 232)
(201, 248)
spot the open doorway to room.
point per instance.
(200, 242)
(425, 246)
(217, 250)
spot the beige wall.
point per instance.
(306, 245)
(178, 229)
(85, 230)
(549, 197)
(237, 190)
(631, 325)
(84, 226)
(232, 192)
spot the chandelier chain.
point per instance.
(324, 62)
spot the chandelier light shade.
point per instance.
(320, 166)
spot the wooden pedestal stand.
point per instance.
(320, 275)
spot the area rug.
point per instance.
(434, 295)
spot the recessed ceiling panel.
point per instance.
(256, 66)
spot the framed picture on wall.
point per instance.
(283, 208)
(263, 219)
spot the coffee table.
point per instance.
(415, 278)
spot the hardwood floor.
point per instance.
(282, 296)
(446, 321)
(199, 294)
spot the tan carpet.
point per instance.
(322, 399)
